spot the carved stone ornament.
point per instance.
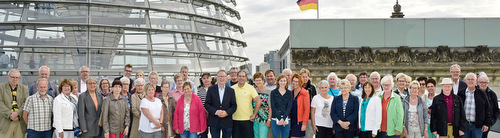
(403, 54)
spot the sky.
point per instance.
(267, 22)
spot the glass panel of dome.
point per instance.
(214, 65)
(205, 9)
(10, 12)
(171, 5)
(232, 19)
(115, 59)
(134, 3)
(53, 36)
(210, 29)
(13, 55)
(162, 62)
(118, 16)
(235, 35)
(169, 21)
(9, 35)
(59, 13)
(129, 39)
(209, 44)
(55, 58)
(239, 51)
(162, 41)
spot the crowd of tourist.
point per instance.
(288, 105)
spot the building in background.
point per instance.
(159, 35)
(263, 67)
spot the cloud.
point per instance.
(267, 22)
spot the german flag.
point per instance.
(307, 4)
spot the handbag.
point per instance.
(78, 132)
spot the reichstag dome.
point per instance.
(159, 35)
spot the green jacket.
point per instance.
(395, 114)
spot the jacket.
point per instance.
(483, 110)
(373, 114)
(63, 113)
(492, 98)
(351, 113)
(395, 114)
(135, 103)
(115, 114)
(303, 106)
(311, 88)
(439, 116)
(88, 115)
(212, 104)
(197, 116)
(6, 108)
(168, 115)
(423, 116)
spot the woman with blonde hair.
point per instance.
(344, 112)
(417, 119)
(151, 114)
(281, 105)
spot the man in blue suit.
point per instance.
(220, 104)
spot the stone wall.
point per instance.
(415, 62)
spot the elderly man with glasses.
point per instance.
(12, 98)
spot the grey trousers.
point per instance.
(309, 130)
(150, 135)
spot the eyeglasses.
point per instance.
(422, 84)
(128, 71)
(85, 71)
(482, 82)
(15, 78)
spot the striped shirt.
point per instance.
(202, 93)
(40, 112)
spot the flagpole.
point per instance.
(317, 11)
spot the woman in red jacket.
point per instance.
(300, 108)
(190, 119)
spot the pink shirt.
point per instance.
(176, 94)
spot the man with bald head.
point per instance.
(38, 111)
(12, 98)
(484, 83)
(44, 72)
(477, 108)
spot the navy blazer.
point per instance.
(351, 113)
(212, 104)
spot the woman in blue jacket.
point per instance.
(344, 112)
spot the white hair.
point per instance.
(287, 70)
(389, 78)
(455, 66)
(139, 80)
(41, 67)
(375, 73)
(471, 74)
(323, 82)
(332, 74)
(483, 76)
(153, 73)
(13, 70)
(351, 75)
(42, 79)
(125, 79)
(80, 70)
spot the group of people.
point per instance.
(288, 105)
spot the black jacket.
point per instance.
(212, 104)
(492, 98)
(483, 110)
(462, 86)
(439, 116)
(311, 89)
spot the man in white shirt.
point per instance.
(84, 75)
(458, 85)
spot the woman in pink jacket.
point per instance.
(190, 119)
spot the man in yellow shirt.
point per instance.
(243, 117)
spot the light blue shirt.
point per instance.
(334, 92)
(221, 92)
(271, 87)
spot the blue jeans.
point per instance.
(384, 135)
(188, 134)
(284, 130)
(39, 134)
(473, 132)
(226, 132)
